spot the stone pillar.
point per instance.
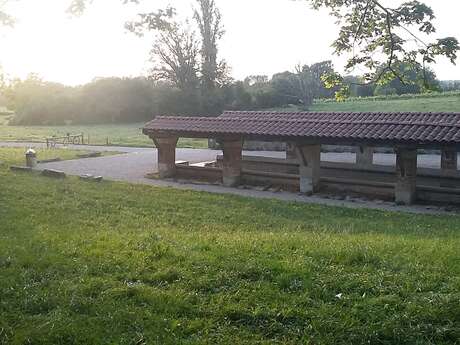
(309, 157)
(231, 170)
(166, 156)
(449, 163)
(364, 156)
(449, 159)
(291, 153)
(406, 175)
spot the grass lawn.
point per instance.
(118, 135)
(16, 156)
(440, 104)
(112, 263)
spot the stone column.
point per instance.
(309, 157)
(406, 175)
(449, 163)
(291, 153)
(166, 156)
(449, 159)
(231, 170)
(364, 156)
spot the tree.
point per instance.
(175, 50)
(378, 35)
(176, 53)
(256, 80)
(357, 87)
(416, 81)
(381, 37)
(450, 85)
(286, 86)
(304, 85)
(209, 20)
(38, 102)
(310, 83)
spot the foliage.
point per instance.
(115, 100)
(175, 51)
(357, 87)
(379, 39)
(450, 85)
(38, 102)
(301, 87)
(106, 100)
(412, 85)
(385, 90)
(114, 263)
(422, 96)
(209, 20)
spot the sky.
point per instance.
(262, 37)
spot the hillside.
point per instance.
(435, 103)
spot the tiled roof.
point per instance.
(437, 128)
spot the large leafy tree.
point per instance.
(381, 39)
(304, 85)
(209, 20)
(175, 49)
(170, 35)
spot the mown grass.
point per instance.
(428, 104)
(113, 263)
(16, 156)
(117, 135)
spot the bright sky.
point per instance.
(262, 37)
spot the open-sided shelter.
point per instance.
(305, 132)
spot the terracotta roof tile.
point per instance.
(440, 128)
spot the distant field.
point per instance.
(432, 104)
(118, 135)
(131, 135)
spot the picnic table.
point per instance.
(74, 139)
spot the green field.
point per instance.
(112, 263)
(131, 134)
(428, 104)
(117, 135)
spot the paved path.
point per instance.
(134, 163)
(144, 159)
